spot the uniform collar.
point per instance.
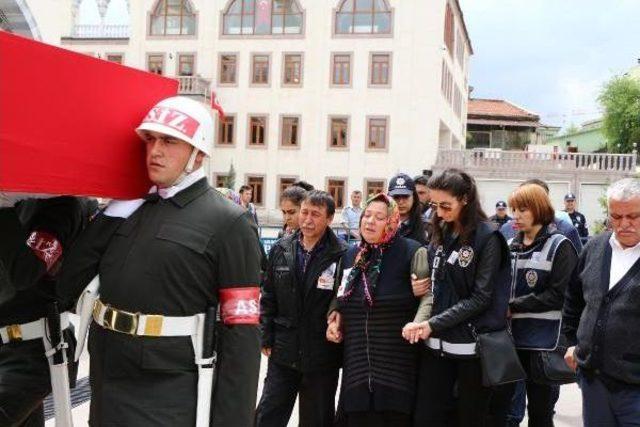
(167, 193)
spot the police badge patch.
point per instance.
(465, 256)
(531, 277)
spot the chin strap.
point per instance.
(188, 168)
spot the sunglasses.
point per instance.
(445, 206)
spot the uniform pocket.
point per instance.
(186, 235)
(168, 354)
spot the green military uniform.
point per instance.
(174, 257)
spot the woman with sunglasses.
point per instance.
(470, 277)
(375, 300)
(543, 264)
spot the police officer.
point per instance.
(303, 271)
(35, 237)
(501, 217)
(578, 219)
(164, 263)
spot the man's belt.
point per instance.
(149, 325)
(29, 331)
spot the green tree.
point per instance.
(571, 129)
(230, 179)
(620, 99)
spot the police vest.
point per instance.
(530, 270)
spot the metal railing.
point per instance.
(524, 160)
(101, 31)
(189, 85)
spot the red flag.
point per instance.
(216, 105)
(67, 121)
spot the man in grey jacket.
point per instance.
(602, 315)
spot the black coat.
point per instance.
(294, 311)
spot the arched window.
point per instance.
(363, 17)
(259, 17)
(173, 18)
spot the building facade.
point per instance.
(341, 93)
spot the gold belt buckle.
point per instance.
(153, 326)
(14, 332)
(121, 321)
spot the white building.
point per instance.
(340, 93)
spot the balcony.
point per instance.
(530, 161)
(100, 32)
(193, 86)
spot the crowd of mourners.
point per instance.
(439, 315)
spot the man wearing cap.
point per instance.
(501, 217)
(165, 263)
(578, 219)
(403, 190)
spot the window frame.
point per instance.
(195, 63)
(217, 175)
(336, 34)
(331, 118)
(120, 54)
(196, 17)
(345, 190)
(300, 35)
(279, 191)
(164, 62)
(298, 133)
(251, 74)
(247, 176)
(250, 145)
(332, 84)
(284, 70)
(368, 147)
(370, 82)
(237, 71)
(233, 133)
(366, 181)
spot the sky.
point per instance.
(551, 57)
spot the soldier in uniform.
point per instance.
(578, 219)
(163, 263)
(35, 237)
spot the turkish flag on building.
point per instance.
(67, 121)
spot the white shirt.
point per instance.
(621, 260)
(188, 180)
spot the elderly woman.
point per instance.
(375, 300)
(543, 264)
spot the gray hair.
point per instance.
(624, 189)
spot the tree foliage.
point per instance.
(620, 99)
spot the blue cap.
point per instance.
(569, 196)
(501, 205)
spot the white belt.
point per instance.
(466, 349)
(150, 325)
(547, 315)
(30, 331)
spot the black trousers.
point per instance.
(378, 419)
(541, 398)
(25, 381)
(450, 393)
(282, 384)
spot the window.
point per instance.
(228, 68)
(262, 17)
(460, 48)
(260, 69)
(290, 131)
(341, 69)
(284, 183)
(339, 134)
(380, 69)
(186, 64)
(155, 64)
(173, 18)
(457, 101)
(118, 58)
(446, 85)
(479, 140)
(449, 29)
(258, 131)
(336, 187)
(221, 180)
(363, 17)
(377, 133)
(292, 70)
(373, 187)
(226, 127)
(257, 185)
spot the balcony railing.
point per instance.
(101, 31)
(524, 160)
(188, 85)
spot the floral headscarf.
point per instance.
(369, 258)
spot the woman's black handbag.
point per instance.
(549, 368)
(498, 358)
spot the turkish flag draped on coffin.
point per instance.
(67, 121)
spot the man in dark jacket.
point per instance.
(36, 235)
(165, 263)
(602, 315)
(299, 285)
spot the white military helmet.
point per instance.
(182, 118)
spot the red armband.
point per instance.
(240, 306)
(46, 247)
